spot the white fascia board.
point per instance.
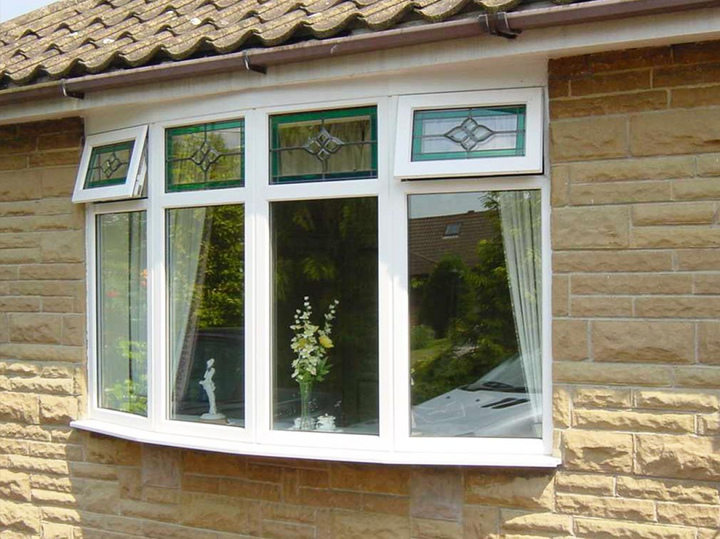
(538, 44)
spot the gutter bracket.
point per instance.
(253, 67)
(498, 24)
(67, 93)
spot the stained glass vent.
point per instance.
(468, 133)
(205, 156)
(109, 165)
(324, 145)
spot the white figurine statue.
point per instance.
(209, 387)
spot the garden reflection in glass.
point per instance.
(205, 156)
(324, 145)
(468, 133)
(122, 311)
(325, 255)
(206, 305)
(475, 313)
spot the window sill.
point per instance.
(268, 450)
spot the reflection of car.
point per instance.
(495, 405)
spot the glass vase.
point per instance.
(306, 420)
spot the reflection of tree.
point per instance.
(327, 249)
(205, 156)
(471, 308)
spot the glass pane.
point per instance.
(206, 313)
(122, 312)
(475, 313)
(325, 306)
(325, 145)
(205, 156)
(109, 165)
(468, 133)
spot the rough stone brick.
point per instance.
(19, 517)
(63, 246)
(631, 284)
(590, 397)
(601, 307)
(706, 96)
(19, 256)
(58, 410)
(160, 466)
(685, 75)
(701, 377)
(708, 165)
(370, 478)
(57, 531)
(707, 284)
(695, 401)
(608, 529)
(73, 329)
(613, 374)
(561, 408)
(679, 457)
(650, 341)
(613, 261)
(570, 340)
(601, 507)
(697, 189)
(698, 259)
(590, 228)
(633, 170)
(596, 138)
(667, 490)
(630, 59)
(173, 513)
(689, 515)
(529, 490)
(35, 328)
(356, 525)
(675, 132)
(561, 295)
(106, 450)
(480, 521)
(678, 307)
(609, 104)
(596, 194)
(19, 407)
(14, 486)
(709, 342)
(161, 530)
(55, 158)
(436, 494)
(533, 523)
(606, 83)
(585, 483)
(560, 180)
(626, 420)
(674, 214)
(709, 425)
(598, 451)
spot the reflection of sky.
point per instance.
(449, 204)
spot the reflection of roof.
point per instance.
(428, 242)
(78, 37)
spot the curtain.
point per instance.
(520, 216)
(188, 230)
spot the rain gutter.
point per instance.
(503, 24)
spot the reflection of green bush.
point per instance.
(420, 337)
(130, 395)
(444, 294)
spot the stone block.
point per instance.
(560, 180)
(631, 284)
(668, 237)
(633, 170)
(689, 514)
(577, 483)
(643, 341)
(35, 328)
(609, 104)
(707, 96)
(58, 410)
(356, 525)
(679, 307)
(370, 478)
(707, 284)
(63, 247)
(594, 451)
(601, 397)
(698, 259)
(630, 59)
(160, 466)
(561, 407)
(612, 261)
(14, 486)
(480, 521)
(200, 462)
(570, 340)
(709, 342)
(612, 374)
(19, 408)
(106, 450)
(287, 530)
(436, 494)
(625, 420)
(601, 307)
(679, 457)
(686, 401)
(675, 132)
(674, 214)
(526, 490)
(596, 138)
(604, 507)
(561, 295)
(697, 377)
(590, 228)
(608, 529)
(708, 165)
(423, 528)
(523, 522)
(606, 83)
(686, 75)
(597, 194)
(667, 490)
(20, 517)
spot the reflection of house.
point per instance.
(630, 93)
(432, 238)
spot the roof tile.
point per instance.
(76, 37)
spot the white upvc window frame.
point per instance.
(134, 182)
(393, 444)
(530, 163)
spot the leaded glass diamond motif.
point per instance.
(323, 145)
(468, 133)
(109, 165)
(205, 156)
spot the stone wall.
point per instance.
(636, 187)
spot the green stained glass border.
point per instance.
(95, 156)
(475, 112)
(203, 128)
(277, 121)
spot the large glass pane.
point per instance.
(109, 165)
(324, 145)
(468, 133)
(206, 306)
(325, 308)
(475, 314)
(122, 312)
(205, 156)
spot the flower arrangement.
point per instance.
(311, 344)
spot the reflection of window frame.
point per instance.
(132, 186)
(257, 437)
(530, 163)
